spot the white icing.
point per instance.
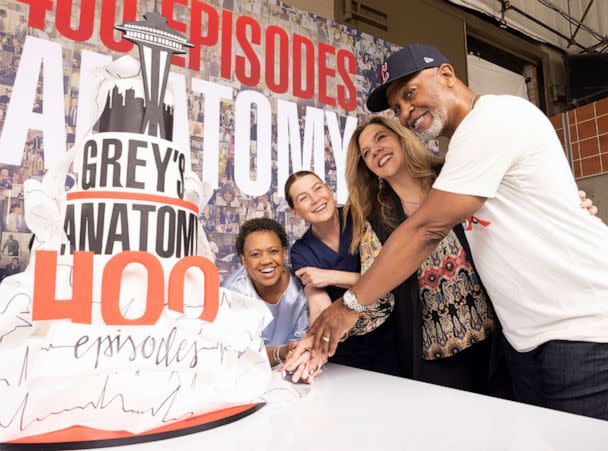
(56, 374)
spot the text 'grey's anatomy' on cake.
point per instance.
(118, 322)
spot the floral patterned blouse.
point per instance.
(455, 307)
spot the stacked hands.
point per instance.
(306, 357)
(300, 363)
(303, 364)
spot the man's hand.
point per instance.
(333, 323)
(314, 277)
(587, 203)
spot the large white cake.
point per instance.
(128, 359)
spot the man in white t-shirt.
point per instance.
(542, 259)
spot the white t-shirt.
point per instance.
(543, 260)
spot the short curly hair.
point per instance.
(260, 225)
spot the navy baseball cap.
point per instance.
(408, 60)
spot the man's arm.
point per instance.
(412, 242)
(402, 254)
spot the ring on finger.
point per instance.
(325, 339)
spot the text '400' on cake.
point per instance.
(118, 322)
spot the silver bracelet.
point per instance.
(351, 302)
(275, 354)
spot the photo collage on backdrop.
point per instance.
(228, 207)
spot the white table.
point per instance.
(350, 409)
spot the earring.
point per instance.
(380, 183)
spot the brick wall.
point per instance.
(588, 137)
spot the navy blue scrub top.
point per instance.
(374, 351)
(311, 251)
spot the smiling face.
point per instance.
(313, 201)
(264, 259)
(228, 195)
(419, 103)
(381, 151)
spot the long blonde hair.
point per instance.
(365, 196)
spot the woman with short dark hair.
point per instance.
(261, 245)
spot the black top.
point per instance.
(407, 313)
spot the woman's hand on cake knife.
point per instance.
(302, 372)
(302, 368)
(296, 350)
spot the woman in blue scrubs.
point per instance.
(323, 262)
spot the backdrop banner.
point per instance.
(265, 90)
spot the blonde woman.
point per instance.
(445, 318)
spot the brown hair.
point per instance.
(365, 197)
(291, 180)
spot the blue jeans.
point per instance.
(571, 376)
